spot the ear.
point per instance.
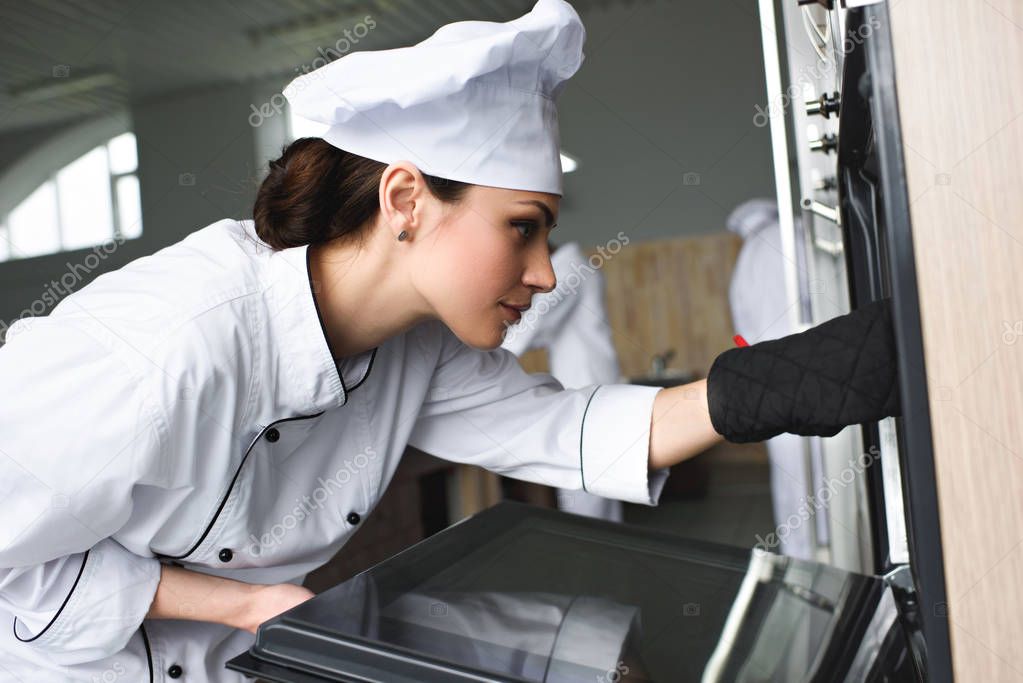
(402, 193)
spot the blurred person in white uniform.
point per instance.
(571, 324)
(760, 310)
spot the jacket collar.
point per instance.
(307, 378)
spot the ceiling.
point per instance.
(68, 59)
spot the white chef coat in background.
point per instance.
(186, 408)
(760, 311)
(571, 323)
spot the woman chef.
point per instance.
(185, 438)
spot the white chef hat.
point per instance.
(752, 216)
(474, 102)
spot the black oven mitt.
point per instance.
(813, 383)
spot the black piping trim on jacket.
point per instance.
(227, 494)
(323, 330)
(149, 651)
(345, 391)
(59, 609)
(369, 369)
(582, 425)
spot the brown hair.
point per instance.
(316, 192)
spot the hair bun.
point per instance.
(315, 192)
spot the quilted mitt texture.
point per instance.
(813, 383)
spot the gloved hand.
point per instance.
(813, 383)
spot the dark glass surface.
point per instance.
(519, 593)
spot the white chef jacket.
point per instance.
(186, 408)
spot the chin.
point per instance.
(485, 343)
(482, 337)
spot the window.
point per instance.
(92, 200)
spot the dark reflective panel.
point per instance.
(519, 593)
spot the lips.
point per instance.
(520, 308)
(514, 312)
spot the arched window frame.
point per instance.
(42, 164)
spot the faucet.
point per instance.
(660, 362)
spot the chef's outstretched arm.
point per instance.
(814, 383)
(680, 426)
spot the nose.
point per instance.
(539, 274)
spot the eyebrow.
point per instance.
(546, 211)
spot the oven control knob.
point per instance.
(825, 105)
(828, 143)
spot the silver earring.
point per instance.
(402, 235)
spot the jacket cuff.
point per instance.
(95, 610)
(614, 447)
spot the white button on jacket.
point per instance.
(186, 408)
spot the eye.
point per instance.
(528, 225)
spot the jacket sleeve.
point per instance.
(78, 434)
(483, 409)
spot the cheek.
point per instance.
(481, 263)
(469, 271)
